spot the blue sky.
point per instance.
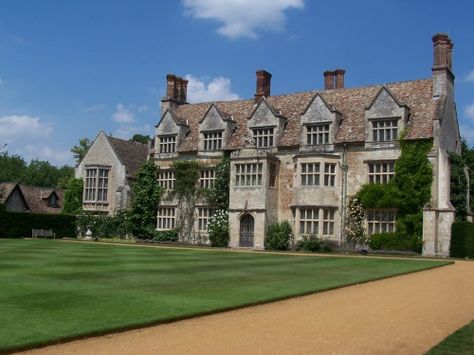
(71, 68)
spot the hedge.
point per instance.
(462, 240)
(20, 224)
(391, 241)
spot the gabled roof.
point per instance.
(6, 188)
(224, 116)
(330, 108)
(389, 92)
(350, 102)
(35, 197)
(131, 154)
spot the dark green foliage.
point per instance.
(12, 168)
(311, 243)
(140, 138)
(147, 195)
(103, 226)
(73, 197)
(459, 186)
(20, 224)
(79, 151)
(218, 195)
(390, 241)
(461, 342)
(187, 175)
(166, 236)
(409, 191)
(279, 236)
(53, 290)
(462, 240)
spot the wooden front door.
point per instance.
(246, 231)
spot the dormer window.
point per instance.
(167, 144)
(317, 134)
(212, 140)
(385, 130)
(263, 137)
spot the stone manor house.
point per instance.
(297, 157)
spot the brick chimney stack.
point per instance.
(263, 84)
(329, 80)
(339, 73)
(443, 77)
(176, 88)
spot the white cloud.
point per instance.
(123, 114)
(218, 89)
(127, 131)
(243, 18)
(467, 132)
(95, 108)
(142, 108)
(470, 76)
(23, 127)
(53, 155)
(469, 111)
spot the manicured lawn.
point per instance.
(52, 290)
(459, 343)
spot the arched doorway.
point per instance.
(246, 231)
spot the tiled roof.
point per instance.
(35, 197)
(131, 154)
(350, 102)
(6, 189)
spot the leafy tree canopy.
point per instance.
(73, 197)
(79, 151)
(140, 138)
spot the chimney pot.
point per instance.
(339, 73)
(176, 88)
(263, 84)
(328, 80)
(442, 49)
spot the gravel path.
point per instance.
(401, 315)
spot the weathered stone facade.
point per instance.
(107, 170)
(298, 157)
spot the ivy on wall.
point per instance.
(409, 190)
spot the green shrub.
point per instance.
(391, 241)
(218, 228)
(310, 243)
(462, 240)
(279, 236)
(166, 236)
(20, 224)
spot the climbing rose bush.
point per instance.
(218, 228)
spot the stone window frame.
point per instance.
(381, 221)
(380, 172)
(392, 129)
(212, 140)
(166, 179)
(96, 184)
(316, 220)
(167, 143)
(329, 174)
(264, 137)
(248, 174)
(318, 134)
(207, 178)
(203, 216)
(329, 217)
(310, 174)
(166, 217)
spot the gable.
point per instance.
(264, 116)
(385, 105)
(15, 201)
(167, 125)
(317, 111)
(212, 121)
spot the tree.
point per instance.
(140, 138)
(147, 195)
(73, 197)
(12, 168)
(42, 173)
(79, 151)
(218, 195)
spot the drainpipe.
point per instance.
(344, 168)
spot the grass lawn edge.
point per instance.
(141, 325)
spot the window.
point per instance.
(204, 216)
(329, 174)
(248, 174)
(385, 130)
(263, 137)
(167, 144)
(317, 134)
(310, 174)
(206, 178)
(381, 173)
(53, 201)
(273, 175)
(166, 217)
(328, 221)
(309, 220)
(166, 179)
(212, 140)
(381, 221)
(97, 182)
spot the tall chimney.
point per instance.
(328, 80)
(443, 77)
(176, 88)
(263, 84)
(171, 85)
(339, 73)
